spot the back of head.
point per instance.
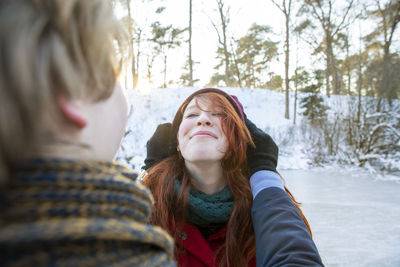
(48, 49)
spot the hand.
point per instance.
(160, 146)
(265, 155)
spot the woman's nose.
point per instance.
(203, 120)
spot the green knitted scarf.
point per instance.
(206, 209)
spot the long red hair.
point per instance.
(169, 209)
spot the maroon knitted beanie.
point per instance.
(231, 98)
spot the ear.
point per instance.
(72, 112)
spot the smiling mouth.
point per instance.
(204, 134)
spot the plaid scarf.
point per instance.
(61, 212)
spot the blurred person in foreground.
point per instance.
(63, 201)
(213, 176)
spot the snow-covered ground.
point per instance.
(264, 107)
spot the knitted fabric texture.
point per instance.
(59, 212)
(206, 209)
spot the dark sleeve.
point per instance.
(282, 237)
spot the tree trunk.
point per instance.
(296, 81)
(295, 96)
(336, 81)
(384, 81)
(287, 67)
(322, 11)
(348, 68)
(134, 73)
(139, 36)
(388, 32)
(286, 11)
(253, 76)
(236, 68)
(359, 92)
(190, 45)
(131, 49)
(165, 71)
(359, 79)
(226, 54)
(327, 76)
(224, 40)
(150, 61)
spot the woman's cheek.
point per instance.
(185, 127)
(183, 131)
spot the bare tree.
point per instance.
(138, 37)
(224, 23)
(285, 7)
(296, 80)
(131, 48)
(190, 45)
(360, 77)
(223, 38)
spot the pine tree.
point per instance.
(313, 103)
(166, 38)
(254, 53)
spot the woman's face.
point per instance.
(200, 135)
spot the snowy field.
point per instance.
(264, 107)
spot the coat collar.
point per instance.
(194, 242)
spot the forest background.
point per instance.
(309, 50)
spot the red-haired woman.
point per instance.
(199, 179)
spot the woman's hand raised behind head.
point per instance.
(160, 146)
(264, 156)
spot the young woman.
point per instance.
(198, 174)
(63, 202)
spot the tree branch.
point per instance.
(396, 20)
(339, 27)
(315, 12)
(281, 9)
(216, 29)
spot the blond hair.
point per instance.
(51, 48)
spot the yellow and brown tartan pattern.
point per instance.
(66, 213)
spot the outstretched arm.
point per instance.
(282, 238)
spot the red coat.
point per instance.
(198, 251)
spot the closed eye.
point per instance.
(191, 115)
(217, 114)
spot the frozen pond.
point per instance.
(355, 218)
